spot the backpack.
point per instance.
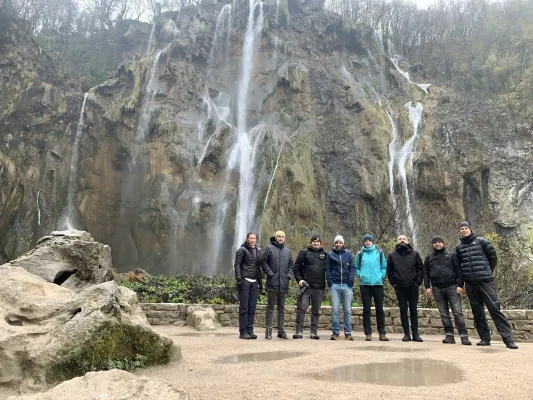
(360, 256)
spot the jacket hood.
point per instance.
(338, 251)
(369, 249)
(404, 249)
(273, 242)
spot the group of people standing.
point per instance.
(444, 273)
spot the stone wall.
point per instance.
(429, 319)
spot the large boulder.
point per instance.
(111, 385)
(49, 334)
(202, 318)
(69, 258)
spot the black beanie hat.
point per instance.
(436, 239)
(316, 237)
(465, 223)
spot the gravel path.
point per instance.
(213, 367)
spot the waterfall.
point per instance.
(169, 32)
(38, 206)
(221, 37)
(243, 147)
(406, 155)
(70, 221)
(277, 11)
(396, 61)
(151, 39)
(392, 156)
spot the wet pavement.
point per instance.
(202, 334)
(266, 356)
(407, 372)
(390, 349)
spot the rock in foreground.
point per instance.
(202, 318)
(111, 385)
(49, 334)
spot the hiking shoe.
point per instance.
(406, 338)
(483, 343)
(314, 336)
(448, 340)
(268, 333)
(348, 337)
(368, 338)
(245, 336)
(282, 335)
(465, 341)
(510, 344)
(335, 336)
(297, 335)
(383, 338)
(251, 333)
(417, 338)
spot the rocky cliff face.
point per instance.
(279, 118)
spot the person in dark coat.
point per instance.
(310, 275)
(278, 266)
(478, 260)
(248, 275)
(404, 270)
(442, 278)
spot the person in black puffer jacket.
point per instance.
(309, 270)
(442, 277)
(278, 266)
(478, 260)
(248, 275)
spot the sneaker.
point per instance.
(406, 338)
(448, 340)
(465, 341)
(314, 336)
(510, 344)
(368, 338)
(268, 333)
(251, 333)
(335, 336)
(417, 338)
(282, 335)
(348, 337)
(483, 343)
(245, 336)
(297, 335)
(383, 338)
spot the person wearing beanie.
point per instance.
(442, 278)
(278, 267)
(404, 270)
(309, 270)
(371, 268)
(340, 275)
(477, 259)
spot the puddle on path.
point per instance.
(199, 334)
(390, 349)
(266, 356)
(407, 372)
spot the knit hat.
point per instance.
(436, 239)
(279, 233)
(465, 223)
(368, 237)
(338, 238)
(315, 237)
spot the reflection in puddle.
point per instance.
(485, 350)
(267, 356)
(199, 334)
(390, 349)
(408, 372)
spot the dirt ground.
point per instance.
(220, 366)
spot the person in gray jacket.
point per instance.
(278, 267)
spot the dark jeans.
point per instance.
(315, 295)
(273, 298)
(447, 298)
(367, 292)
(484, 294)
(248, 292)
(408, 296)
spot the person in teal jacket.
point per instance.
(371, 268)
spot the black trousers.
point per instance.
(248, 292)
(273, 299)
(483, 294)
(316, 296)
(367, 292)
(408, 297)
(447, 298)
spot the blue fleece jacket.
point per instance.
(370, 266)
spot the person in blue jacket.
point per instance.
(340, 275)
(371, 268)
